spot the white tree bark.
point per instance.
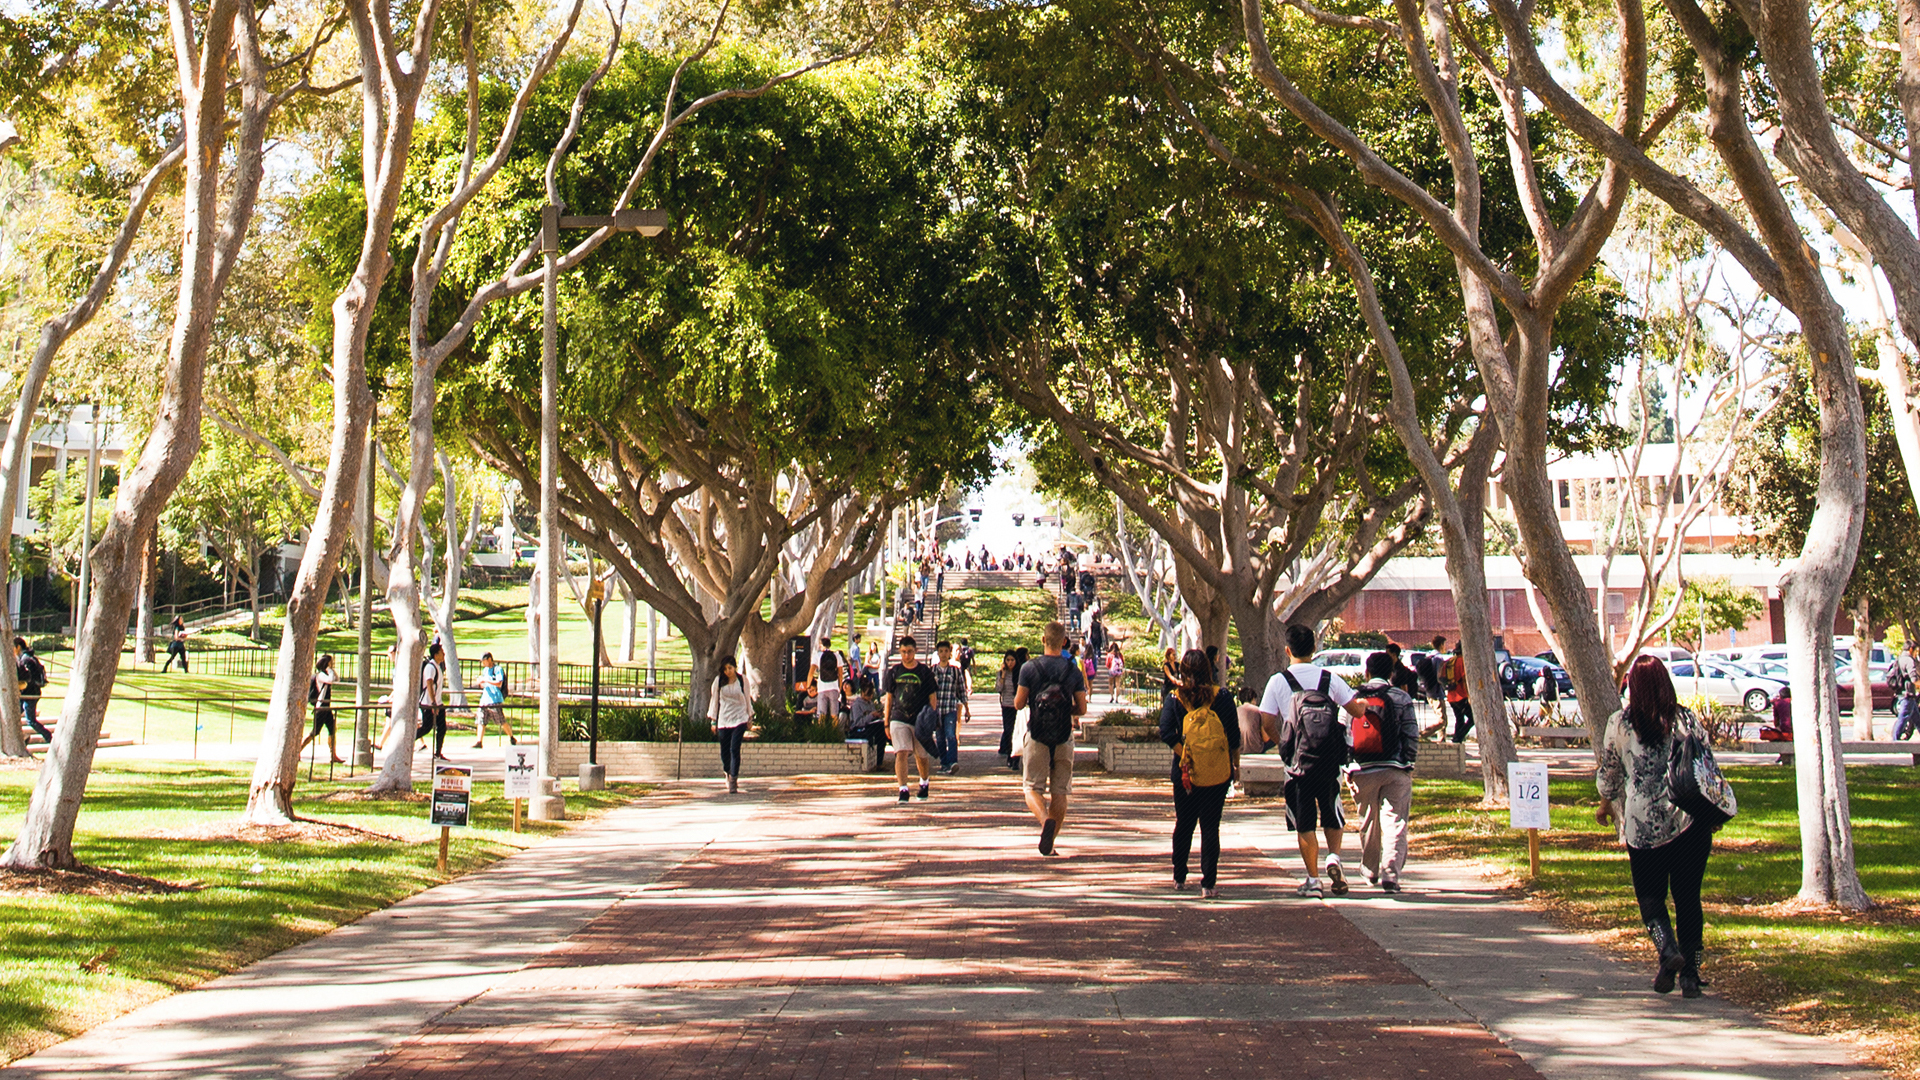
(205, 53)
(17, 455)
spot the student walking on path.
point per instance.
(1054, 693)
(1007, 685)
(1206, 763)
(320, 700)
(1455, 673)
(177, 646)
(909, 688)
(433, 715)
(1384, 747)
(493, 702)
(730, 710)
(1307, 701)
(950, 689)
(30, 676)
(1666, 848)
(829, 668)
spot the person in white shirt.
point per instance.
(730, 709)
(1313, 776)
(829, 668)
(433, 717)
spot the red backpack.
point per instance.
(1369, 729)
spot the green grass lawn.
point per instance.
(997, 620)
(1818, 970)
(72, 961)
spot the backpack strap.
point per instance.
(1292, 683)
(1326, 680)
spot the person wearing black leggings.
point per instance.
(1667, 849)
(730, 710)
(1007, 686)
(1197, 804)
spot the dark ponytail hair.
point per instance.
(1197, 681)
(1651, 705)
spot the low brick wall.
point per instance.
(1441, 759)
(1136, 758)
(670, 761)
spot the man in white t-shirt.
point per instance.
(829, 668)
(1313, 789)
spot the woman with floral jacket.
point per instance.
(1666, 848)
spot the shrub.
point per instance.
(1722, 722)
(781, 726)
(1356, 639)
(636, 723)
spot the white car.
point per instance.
(1349, 664)
(1728, 684)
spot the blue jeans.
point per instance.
(1904, 721)
(946, 740)
(29, 711)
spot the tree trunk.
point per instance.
(1549, 561)
(1862, 674)
(208, 251)
(149, 583)
(763, 647)
(403, 587)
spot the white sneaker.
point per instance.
(1309, 889)
(1337, 876)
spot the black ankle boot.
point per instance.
(1690, 982)
(1672, 960)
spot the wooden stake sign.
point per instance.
(1527, 806)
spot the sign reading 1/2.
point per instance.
(1527, 795)
(452, 796)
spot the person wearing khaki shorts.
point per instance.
(1046, 772)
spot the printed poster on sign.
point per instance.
(522, 764)
(452, 795)
(1527, 794)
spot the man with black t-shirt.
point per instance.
(1046, 768)
(909, 687)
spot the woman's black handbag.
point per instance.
(1694, 781)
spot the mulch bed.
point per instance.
(86, 881)
(303, 830)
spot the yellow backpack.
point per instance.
(1205, 759)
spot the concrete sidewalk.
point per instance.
(816, 927)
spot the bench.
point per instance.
(1557, 736)
(1785, 749)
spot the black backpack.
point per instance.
(1050, 714)
(1315, 736)
(36, 679)
(829, 666)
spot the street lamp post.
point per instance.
(547, 803)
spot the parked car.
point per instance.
(1843, 672)
(1523, 677)
(1669, 654)
(1349, 664)
(1726, 683)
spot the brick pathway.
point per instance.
(814, 927)
(840, 933)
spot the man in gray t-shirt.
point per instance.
(1047, 771)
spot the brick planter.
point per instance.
(670, 761)
(1136, 758)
